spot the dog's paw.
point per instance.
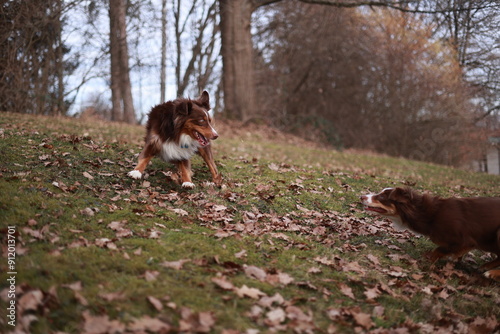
(188, 185)
(135, 174)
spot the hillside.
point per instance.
(282, 246)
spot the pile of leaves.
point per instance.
(280, 247)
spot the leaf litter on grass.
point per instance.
(287, 251)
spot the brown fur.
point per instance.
(456, 225)
(167, 123)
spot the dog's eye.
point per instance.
(201, 121)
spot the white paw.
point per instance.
(135, 174)
(487, 274)
(188, 185)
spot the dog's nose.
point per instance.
(215, 135)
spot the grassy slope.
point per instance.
(284, 208)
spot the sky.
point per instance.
(145, 50)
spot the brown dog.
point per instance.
(456, 225)
(175, 131)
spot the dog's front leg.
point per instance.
(206, 154)
(145, 157)
(184, 167)
(453, 252)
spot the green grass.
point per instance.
(284, 208)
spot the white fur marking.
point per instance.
(187, 147)
(211, 127)
(188, 185)
(368, 200)
(135, 174)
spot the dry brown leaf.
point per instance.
(147, 323)
(201, 322)
(100, 324)
(31, 300)
(241, 254)
(268, 301)
(346, 290)
(255, 272)
(76, 286)
(110, 296)
(180, 212)
(155, 302)
(223, 283)
(81, 299)
(363, 319)
(88, 176)
(151, 275)
(372, 294)
(245, 291)
(275, 316)
(353, 266)
(177, 265)
(373, 259)
(314, 270)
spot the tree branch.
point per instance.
(403, 5)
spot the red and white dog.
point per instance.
(456, 225)
(175, 131)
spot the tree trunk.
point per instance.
(163, 71)
(121, 88)
(116, 98)
(237, 52)
(125, 86)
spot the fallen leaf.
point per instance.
(31, 300)
(245, 291)
(88, 176)
(155, 302)
(363, 319)
(151, 275)
(100, 324)
(177, 265)
(241, 254)
(147, 323)
(223, 283)
(372, 294)
(76, 286)
(81, 299)
(201, 322)
(275, 316)
(269, 301)
(180, 212)
(255, 272)
(346, 290)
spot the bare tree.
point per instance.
(201, 17)
(31, 48)
(239, 90)
(366, 79)
(163, 65)
(123, 106)
(470, 26)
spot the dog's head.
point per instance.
(194, 120)
(388, 202)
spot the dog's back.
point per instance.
(456, 225)
(473, 221)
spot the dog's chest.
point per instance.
(184, 150)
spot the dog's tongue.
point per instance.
(379, 210)
(201, 139)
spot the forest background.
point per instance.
(417, 79)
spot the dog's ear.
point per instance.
(204, 99)
(184, 108)
(401, 195)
